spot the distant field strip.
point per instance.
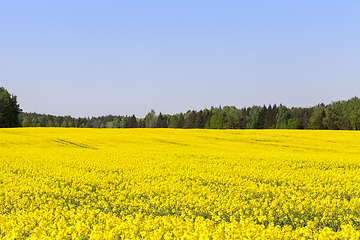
(70, 183)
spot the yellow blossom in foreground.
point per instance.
(62, 183)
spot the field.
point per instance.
(63, 183)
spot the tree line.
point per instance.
(338, 115)
(109, 121)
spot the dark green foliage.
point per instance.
(50, 124)
(173, 121)
(207, 114)
(262, 115)
(161, 121)
(200, 120)
(123, 122)
(303, 114)
(131, 122)
(116, 123)
(181, 121)
(9, 109)
(317, 117)
(270, 116)
(71, 123)
(233, 117)
(26, 122)
(353, 111)
(245, 114)
(337, 115)
(190, 117)
(141, 123)
(254, 117)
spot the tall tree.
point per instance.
(9, 109)
(267, 118)
(262, 115)
(342, 120)
(141, 123)
(180, 123)
(282, 117)
(199, 120)
(207, 114)
(161, 121)
(190, 119)
(132, 122)
(123, 122)
(245, 114)
(354, 112)
(302, 114)
(330, 118)
(270, 117)
(173, 121)
(317, 117)
(233, 117)
(150, 119)
(336, 116)
(253, 118)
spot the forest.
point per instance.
(339, 115)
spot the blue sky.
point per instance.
(92, 58)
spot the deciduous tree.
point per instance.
(9, 109)
(282, 117)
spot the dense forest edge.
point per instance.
(338, 115)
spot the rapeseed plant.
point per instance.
(63, 183)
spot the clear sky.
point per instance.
(92, 58)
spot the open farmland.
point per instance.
(61, 183)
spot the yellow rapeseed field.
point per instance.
(62, 183)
